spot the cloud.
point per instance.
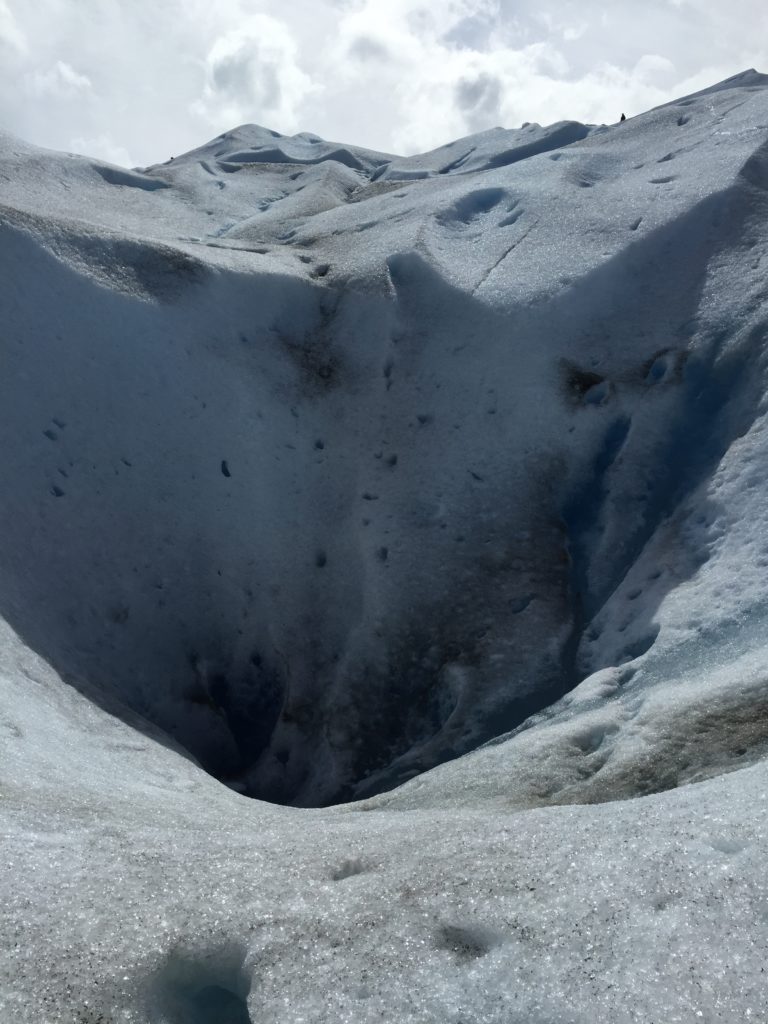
(404, 75)
(364, 48)
(479, 100)
(473, 32)
(12, 39)
(61, 81)
(252, 74)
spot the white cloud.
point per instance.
(401, 75)
(60, 81)
(252, 74)
(11, 37)
(573, 32)
(12, 40)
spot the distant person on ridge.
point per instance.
(623, 118)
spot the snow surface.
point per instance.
(324, 468)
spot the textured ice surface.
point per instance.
(322, 468)
(138, 889)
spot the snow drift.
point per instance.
(324, 468)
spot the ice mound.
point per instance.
(497, 147)
(252, 144)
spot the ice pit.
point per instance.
(205, 988)
(327, 538)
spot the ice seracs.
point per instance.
(323, 469)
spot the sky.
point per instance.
(137, 81)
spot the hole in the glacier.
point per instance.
(188, 620)
(348, 869)
(215, 1004)
(468, 942)
(578, 382)
(208, 988)
(230, 715)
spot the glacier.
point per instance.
(383, 578)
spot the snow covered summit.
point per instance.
(327, 470)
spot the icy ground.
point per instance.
(436, 484)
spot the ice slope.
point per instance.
(138, 890)
(321, 467)
(334, 483)
(496, 147)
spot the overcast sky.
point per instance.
(136, 81)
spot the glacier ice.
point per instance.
(428, 488)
